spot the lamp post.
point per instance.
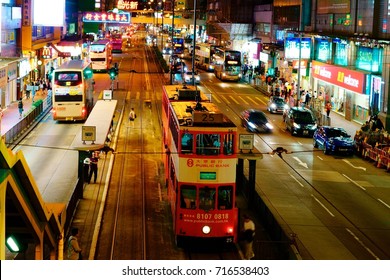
(193, 46)
(162, 24)
(173, 28)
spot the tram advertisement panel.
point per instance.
(203, 169)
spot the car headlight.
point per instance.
(273, 106)
(252, 125)
(296, 125)
(286, 107)
(270, 126)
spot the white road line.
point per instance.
(323, 206)
(214, 97)
(363, 245)
(384, 203)
(352, 181)
(320, 158)
(292, 176)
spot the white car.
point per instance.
(187, 77)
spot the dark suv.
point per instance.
(300, 121)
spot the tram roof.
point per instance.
(206, 114)
(100, 117)
(184, 93)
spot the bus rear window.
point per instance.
(67, 78)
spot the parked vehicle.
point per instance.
(333, 140)
(255, 121)
(300, 121)
(277, 104)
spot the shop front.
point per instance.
(347, 90)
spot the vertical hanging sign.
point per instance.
(26, 17)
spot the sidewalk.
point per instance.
(11, 113)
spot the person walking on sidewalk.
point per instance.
(328, 107)
(132, 116)
(20, 107)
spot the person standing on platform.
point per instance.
(33, 88)
(74, 250)
(86, 166)
(249, 233)
(93, 167)
(20, 108)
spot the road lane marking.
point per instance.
(357, 167)
(234, 100)
(323, 206)
(352, 181)
(226, 100)
(253, 102)
(243, 100)
(384, 203)
(361, 243)
(296, 180)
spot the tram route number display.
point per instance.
(207, 117)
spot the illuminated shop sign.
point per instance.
(104, 17)
(324, 50)
(127, 5)
(341, 57)
(348, 79)
(291, 47)
(369, 59)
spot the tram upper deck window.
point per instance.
(225, 197)
(208, 144)
(228, 144)
(186, 143)
(207, 198)
(188, 197)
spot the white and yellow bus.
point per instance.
(73, 89)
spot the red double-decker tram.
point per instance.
(200, 166)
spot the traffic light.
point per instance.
(113, 73)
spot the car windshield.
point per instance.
(257, 117)
(336, 133)
(279, 101)
(304, 117)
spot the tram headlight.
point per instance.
(206, 229)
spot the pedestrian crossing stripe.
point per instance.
(235, 100)
(243, 100)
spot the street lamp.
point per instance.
(162, 24)
(173, 28)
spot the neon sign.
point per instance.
(127, 5)
(104, 17)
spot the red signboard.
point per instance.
(348, 79)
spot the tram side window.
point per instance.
(225, 197)
(186, 143)
(207, 198)
(228, 144)
(188, 197)
(208, 144)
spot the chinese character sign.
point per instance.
(292, 48)
(104, 17)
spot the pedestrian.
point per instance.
(132, 116)
(249, 233)
(86, 166)
(20, 107)
(74, 250)
(93, 169)
(328, 107)
(33, 88)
